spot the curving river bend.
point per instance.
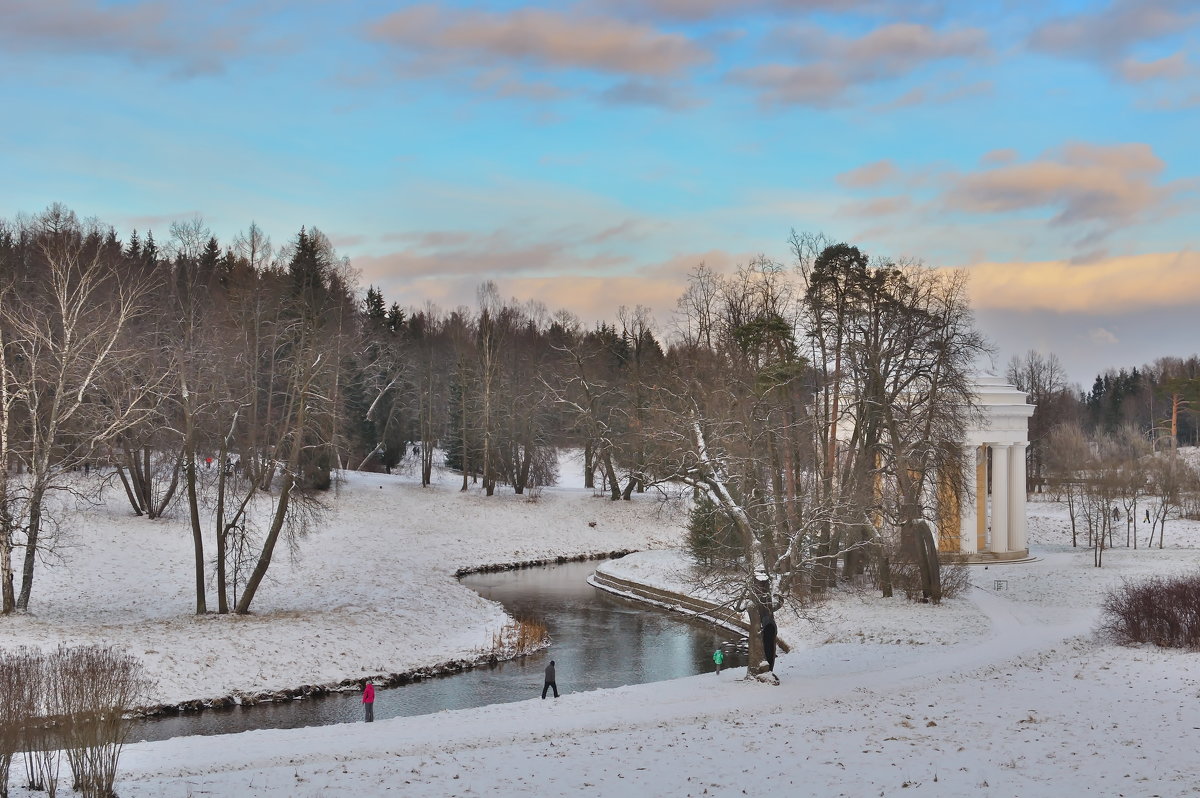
(597, 640)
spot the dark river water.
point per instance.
(597, 640)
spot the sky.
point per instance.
(591, 154)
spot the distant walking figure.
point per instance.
(1147, 515)
(550, 683)
(369, 701)
(1116, 514)
(719, 658)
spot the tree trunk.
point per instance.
(589, 467)
(610, 474)
(133, 500)
(9, 600)
(886, 587)
(264, 559)
(36, 495)
(197, 533)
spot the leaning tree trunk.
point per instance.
(927, 561)
(268, 549)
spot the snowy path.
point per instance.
(582, 736)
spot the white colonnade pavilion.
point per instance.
(995, 444)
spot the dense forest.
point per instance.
(811, 406)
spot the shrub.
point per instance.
(74, 699)
(712, 536)
(519, 637)
(955, 577)
(1163, 610)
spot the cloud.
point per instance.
(832, 65)
(870, 175)
(592, 291)
(1083, 183)
(451, 254)
(1099, 335)
(656, 95)
(1122, 284)
(881, 206)
(150, 221)
(816, 85)
(693, 10)
(1172, 67)
(1106, 35)
(937, 95)
(537, 37)
(142, 32)
(1001, 156)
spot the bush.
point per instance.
(518, 637)
(76, 700)
(906, 577)
(1161, 610)
(712, 536)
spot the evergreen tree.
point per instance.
(374, 308)
(395, 318)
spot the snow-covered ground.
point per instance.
(371, 592)
(999, 693)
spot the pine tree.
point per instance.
(374, 308)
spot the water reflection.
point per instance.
(598, 640)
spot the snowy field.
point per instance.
(1000, 693)
(372, 592)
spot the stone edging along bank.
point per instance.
(382, 680)
(675, 602)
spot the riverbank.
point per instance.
(371, 593)
(1005, 691)
(1034, 706)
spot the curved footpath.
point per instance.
(868, 724)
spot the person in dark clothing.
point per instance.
(550, 683)
(1147, 515)
(769, 632)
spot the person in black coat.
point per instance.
(550, 683)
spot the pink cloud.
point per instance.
(833, 65)
(593, 296)
(817, 85)
(709, 9)
(1172, 67)
(1083, 182)
(870, 175)
(1105, 35)
(1001, 156)
(142, 31)
(1127, 283)
(881, 206)
(552, 39)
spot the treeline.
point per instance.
(814, 407)
(1158, 403)
(229, 376)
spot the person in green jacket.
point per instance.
(719, 658)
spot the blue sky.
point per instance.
(590, 154)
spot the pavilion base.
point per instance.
(987, 557)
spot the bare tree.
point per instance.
(67, 326)
(1067, 456)
(1044, 380)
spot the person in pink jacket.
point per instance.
(369, 701)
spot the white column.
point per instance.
(968, 508)
(1016, 499)
(999, 541)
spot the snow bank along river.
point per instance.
(597, 640)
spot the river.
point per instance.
(597, 640)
